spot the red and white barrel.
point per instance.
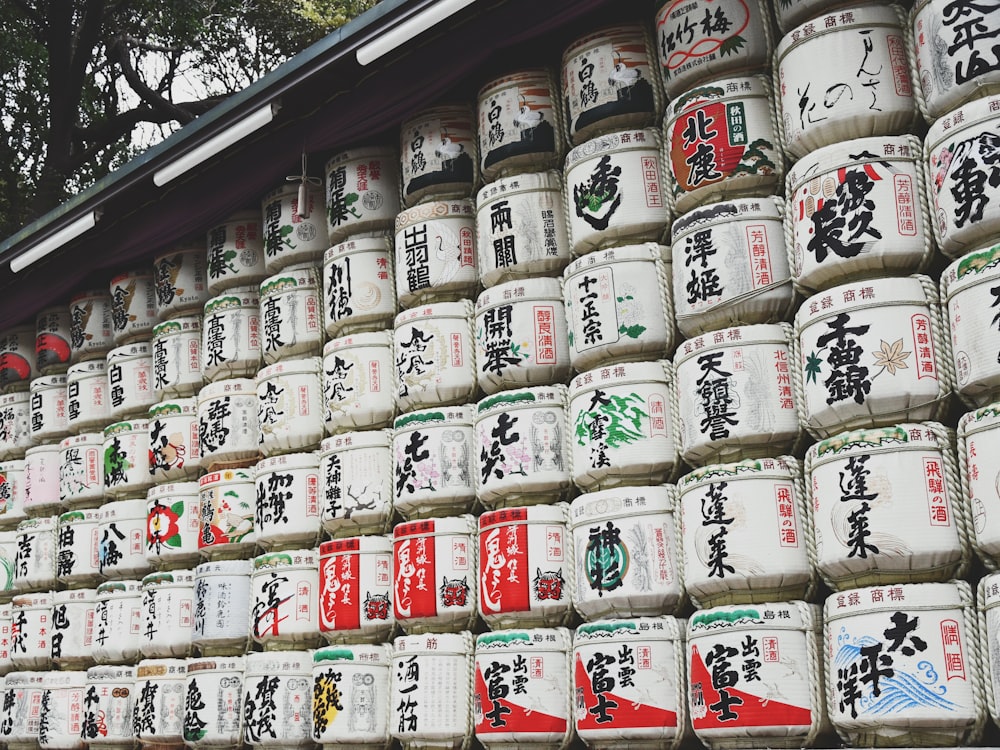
(526, 567)
(17, 358)
(159, 702)
(978, 438)
(619, 306)
(735, 394)
(755, 676)
(108, 702)
(133, 306)
(213, 702)
(118, 622)
(90, 335)
(49, 418)
(904, 665)
(12, 478)
(123, 531)
(624, 425)
(521, 228)
(629, 683)
(871, 354)
(858, 209)
(221, 607)
(88, 398)
(130, 380)
(434, 574)
(521, 444)
(52, 340)
(290, 406)
(31, 629)
(168, 613)
(520, 123)
(81, 470)
(284, 597)
(435, 354)
(436, 253)
(731, 266)
(126, 459)
(177, 365)
(609, 82)
(277, 700)
(356, 483)
(78, 548)
(521, 337)
(359, 382)
(616, 192)
(819, 105)
(291, 313)
(35, 560)
(228, 426)
(23, 698)
(351, 696)
(359, 285)
(174, 445)
(430, 693)
(60, 720)
(230, 343)
(236, 252)
(15, 421)
(887, 506)
(227, 500)
(294, 217)
(723, 143)
(516, 705)
(362, 192)
(72, 626)
(627, 559)
(438, 155)
(288, 501)
(41, 480)
(355, 590)
(173, 523)
(745, 533)
(181, 280)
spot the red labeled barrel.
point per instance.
(355, 590)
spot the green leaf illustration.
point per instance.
(633, 331)
(812, 367)
(732, 45)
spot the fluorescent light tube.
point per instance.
(410, 28)
(52, 243)
(216, 144)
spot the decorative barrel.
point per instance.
(17, 358)
(290, 406)
(228, 423)
(12, 478)
(72, 628)
(35, 560)
(438, 157)
(159, 702)
(291, 313)
(436, 253)
(8, 553)
(23, 699)
(126, 459)
(350, 696)
(967, 287)
(52, 340)
(978, 437)
(41, 480)
(133, 306)
(81, 470)
(15, 421)
(277, 702)
(526, 567)
(745, 533)
(434, 570)
(221, 607)
(356, 483)
(213, 702)
(735, 394)
(227, 499)
(31, 631)
(626, 553)
(795, 12)
(236, 252)
(168, 613)
(60, 716)
(181, 280)
(362, 192)
(731, 266)
(435, 355)
(359, 285)
(870, 354)
(723, 143)
(78, 548)
(123, 530)
(355, 589)
(177, 365)
(130, 380)
(294, 217)
(108, 707)
(90, 335)
(359, 382)
(118, 622)
(284, 597)
(287, 513)
(173, 525)
(88, 400)
(174, 446)
(820, 105)
(49, 417)
(230, 344)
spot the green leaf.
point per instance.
(812, 367)
(732, 45)
(633, 332)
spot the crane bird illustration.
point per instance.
(526, 118)
(622, 76)
(448, 149)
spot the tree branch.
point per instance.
(119, 52)
(108, 131)
(148, 46)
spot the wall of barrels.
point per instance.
(647, 400)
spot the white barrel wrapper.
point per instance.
(290, 406)
(438, 155)
(222, 607)
(285, 595)
(236, 252)
(356, 483)
(230, 334)
(181, 281)
(108, 702)
(133, 306)
(362, 192)
(436, 253)
(159, 701)
(118, 622)
(177, 363)
(351, 696)
(228, 422)
(228, 499)
(288, 500)
(294, 233)
(168, 613)
(359, 382)
(277, 699)
(213, 702)
(291, 313)
(359, 286)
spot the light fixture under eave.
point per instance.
(216, 144)
(53, 242)
(410, 28)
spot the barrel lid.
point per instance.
(460, 309)
(33, 679)
(228, 387)
(764, 333)
(119, 589)
(368, 544)
(521, 290)
(44, 448)
(665, 628)
(74, 595)
(7, 399)
(458, 208)
(990, 591)
(642, 139)
(235, 298)
(82, 515)
(36, 600)
(168, 578)
(462, 525)
(171, 489)
(536, 397)
(134, 350)
(794, 615)
(225, 475)
(284, 462)
(439, 643)
(450, 416)
(290, 279)
(976, 267)
(14, 464)
(47, 381)
(287, 559)
(619, 502)
(64, 679)
(88, 367)
(625, 373)
(39, 523)
(759, 468)
(370, 338)
(102, 672)
(739, 87)
(899, 596)
(363, 153)
(870, 15)
(529, 182)
(346, 441)
(532, 639)
(738, 209)
(970, 115)
(160, 668)
(898, 437)
(647, 251)
(375, 655)
(304, 366)
(381, 243)
(882, 292)
(182, 324)
(280, 663)
(84, 438)
(175, 407)
(123, 428)
(853, 153)
(124, 509)
(549, 514)
(217, 664)
(240, 568)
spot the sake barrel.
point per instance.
(227, 499)
(23, 697)
(434, 574)
(359, 285)
(181, 280)
(887, 507)
(222, 607)
(123, 531)
(871, 95)
(108, 703)
(130, 380)
(526, 567)
(745, 533)
(35, 559)
(435, 258)
(723, 143)
(59, 722)
(174, 444)
(524, 453)
(15, 424)
(518, 706)
(795, 12)
(284, 596)
(294, 223)
(735, 270)
(630, 683)
(869, 354)
(291, 313)
(30, 632)
(72, 628)
(230, 330)
(277, 699)
(228, 425)
(858, 209)
(41, 480)
(168, 613)
(911, 645)
(362, 192)
(355, 587)
(12, 493)
(78, 548)
(159, 702)
(81, 470)
(978, 436)
(17, 358)
(438, 156)
(287, 512)
(430, 692)
(359, 382)
(49, 418)
(173, 525)
(52, 340)
(350, 695)
(615, 191)
(126, 459)
(8, 553)
(619, 306)
(966, 286)
(356, 483)
(90, 335)
(435, 355)
(987, 598)
(6, 665)
(290, 406)
(88, 399)
(609, 82)
(627, 559)
(735, 394)
(521, 228)
(236, 251)
(213, 702)
(736, 655)
(118, 622)
(133, 306)
(177, 365)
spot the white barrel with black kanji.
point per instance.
(351, 696)
(35, 559)
(294, 216)
(236, 251)
(133, 306)
(362, 192)
(356, 483)
(359, 285)
(355, 590)
(126, 459)
(290, 406)
(173, 523)
(287, 501)
(22, 694)
(159, 702)
(228, 500)
(72, 628)
(118, 622)
(78, 548)
(130, 380)
(291, 313)
(59, 721)
(181, 281)
(88, 398)
(987, 598)
(284, 609)
(12, 478)
(174, 445)
(359, 382)
(221, 607)
(15, 421)
(17, 358)
(41, 480)
(122, 548)
(90, 333)
(213, 702)
(978, 441)
(228, 422)
(108, 702)
(177, 362)
(167, 613)
(435, 355)
(81, 470)
(230, 334)
(438, 154)
(31, 631)
(277, 699)
(49, 417)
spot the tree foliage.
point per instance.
(86, 84)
